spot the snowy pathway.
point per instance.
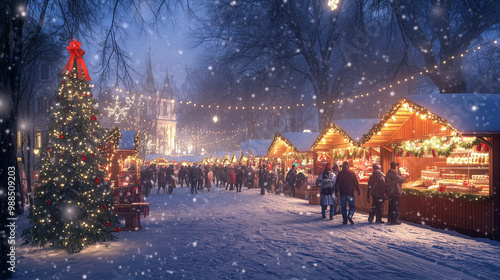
(228, 235)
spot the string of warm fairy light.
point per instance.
(223, 132)
(264, 107)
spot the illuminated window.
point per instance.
(19, 139)
(38, 139)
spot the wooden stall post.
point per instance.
(495, 183)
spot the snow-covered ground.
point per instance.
(228, 235)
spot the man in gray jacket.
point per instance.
(394, 182)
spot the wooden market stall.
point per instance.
(337, 143)
(294, 148)
(255, 150)
(125, 181)
(448, 146)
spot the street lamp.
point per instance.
(333, 4)
(215, 119)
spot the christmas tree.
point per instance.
(73, 206)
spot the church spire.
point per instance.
(167, 91)
(149, 84)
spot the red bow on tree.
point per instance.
(75, 52)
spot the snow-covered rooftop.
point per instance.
(301, 140)
(469, 113)
(356, 128)
(194, 159)
(255, 147)
(127, 142)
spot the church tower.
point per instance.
(159, 113)
(166, 120)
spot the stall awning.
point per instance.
(407, 120)
(291, 142)
(343, 134)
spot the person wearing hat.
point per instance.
(377, 188)
(345, 185)
(394, 182)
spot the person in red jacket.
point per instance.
(347, 182)
(377, 189)
(231, 178)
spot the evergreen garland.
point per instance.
(452, 195)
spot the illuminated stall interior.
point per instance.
(125, 163)
(432, 152)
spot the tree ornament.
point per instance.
(62, 82)
(48, 202)
(117, 229)
(48, 149)
(94, 118)
(108, 223)
(103, 207)
(61, 136)
(84, 157)
(97, 180)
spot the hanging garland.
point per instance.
(434, 146)
(356, 153)
(449, 195)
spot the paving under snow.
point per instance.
(228, 235)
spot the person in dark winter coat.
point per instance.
(238, 179)
(346, 183)
(377, 189)
(183, 176)
(193, 178)
(291, 177)
(170, 177)
(326, 181)
(201, 177)
(263, 179)
(394, 182)
(231, 179)
(162, 180)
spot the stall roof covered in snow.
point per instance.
(356, 128)
(301, 140)
(468, 112)
(127, 142)
(193, 159)
(150, 157)
(255, 147)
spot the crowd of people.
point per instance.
(338, 189)
(338, 186)
(232, 178)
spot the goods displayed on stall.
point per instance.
(450, 164)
